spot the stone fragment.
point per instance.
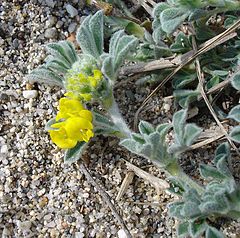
(30, 94)
(51, 33)
(4, 149)
(72, 27)
(122, 234)
(72, 11)
(50, 3)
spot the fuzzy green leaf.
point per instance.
(171, 18)
(191, 210)
(207, 172)
(182, 230)
(222, 149)
(101, 119)
(120, 46)
(90, 35)
(74, 154)
(125, 45)
(96, 27)
(235, 134)
(106, 131)
(159, 8)
(197, 14)
(114, 41)
(196, 229)
(236, 81)
(158, 34)
(145, 151)
(175, 210)
(213, 233)
(134, 29)
(130, 144)
(108, 67)
(191, 133)
(42, 74)
(145, 128)
(235, 113)
(179, 119)
(211, 207)
(56, 66)
(213, 81)
(138, 138)
(103, 125)
(163, 129)
(63, 50)
(181, 44)
(191, 195)
(185, 96)
(49, 123)
(222, 165)
(182, 79)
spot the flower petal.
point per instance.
(86, 114)
(68, 107)
(76, 127)
(60, 138)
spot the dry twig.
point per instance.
(219, 39)
(158, 183)
(105, 197)
(125, 184)
(205, 98)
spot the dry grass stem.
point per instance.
(125, 184)
(158, 183)
(219, 39)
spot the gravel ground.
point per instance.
(39, 195)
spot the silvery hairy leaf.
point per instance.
(44, 75)
(235, 113)
(182, 229)
(212, 232)
(235, 134)
(236, 81)
(90, 35)
(103, 125)
(120, 47)
(74, 154)
(62, 57)
(196, 229)
(172, 17)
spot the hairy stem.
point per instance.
(175, 170)
(114, 112)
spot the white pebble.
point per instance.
(71, 10)
(79, 235)
(30, 94)
(4, 149)
(122, 234)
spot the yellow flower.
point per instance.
(60, 136)
(68, 107)
(94, 80)
(83, 85)
(74, 123)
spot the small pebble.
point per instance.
(50, 3)
(30, 94)
(51, 21)
(72, 27)
(51, 33)
(71, 10)
(4, 149)
(121, 234)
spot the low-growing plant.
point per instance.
(90, 78)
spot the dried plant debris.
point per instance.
(149, 110)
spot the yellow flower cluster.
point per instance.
(74, 123)
(81, 85)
